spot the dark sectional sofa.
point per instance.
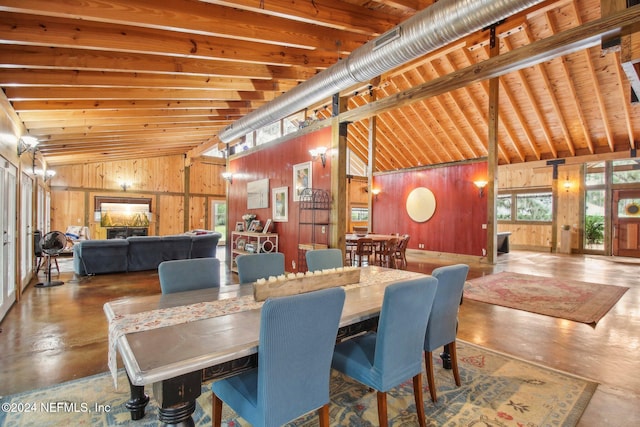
(137, 253)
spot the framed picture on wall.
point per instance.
(280, 203)
(258, 194)
(302, 178)
(267, 226)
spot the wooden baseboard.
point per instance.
(419, 253)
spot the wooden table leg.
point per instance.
(177, 398)
(137, 402)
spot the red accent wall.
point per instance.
(456, 225)
(276, 163)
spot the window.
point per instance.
(626, 171)
(268, 133)
(292, 123)
(534, 207)
(359, 214)
(525, 206)
(595, 174)
(503, 210)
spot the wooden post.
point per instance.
(338, 152)
(371, 160)
(187, 191)
(492, 157)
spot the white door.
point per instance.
(219, 218)
(8, 243)
(26, 232)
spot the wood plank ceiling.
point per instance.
(99, 80)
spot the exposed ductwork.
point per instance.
(432, 28)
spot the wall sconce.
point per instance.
(125, 185)
(567, 185)
(227, 176)
(46, 175)
(480, 184)
(27, 143)
(320, 152)
(375, 192)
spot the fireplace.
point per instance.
(124, 232)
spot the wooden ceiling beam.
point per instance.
(73, 93)
(107, 137)
(521, 121)
(408, 5)
(72, 159)
(464, 113)
(546, 83)
(563, 43)
(483, 111)
(597, 92)
(573, 93)
(422, 112)
(11, 77)
(401, 126)
(204, 114)
(358, 143)
(534, 101)
(625, 105)
(133, 104)
(133, 120)
(384, 159)
(391, 152)
(161, 143)
(49, 132)
(422, 77)
(480, 114)
(428, 159)
(50, 31)
(194, 18)
(20, 56)
(332, 14)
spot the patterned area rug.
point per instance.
(497, 390)
(567, 299)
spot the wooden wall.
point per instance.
(357, 196)
(275, 162)
(455, 227)
(163, 179)
(538, 175)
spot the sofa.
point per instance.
(139, 253)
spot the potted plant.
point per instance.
(594, 229)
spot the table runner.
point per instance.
(159, 318)
(122, 324)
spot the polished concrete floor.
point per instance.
(59, 334)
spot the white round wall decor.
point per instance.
(421, 204)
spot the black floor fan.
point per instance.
(51, 244)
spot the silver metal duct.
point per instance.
(434, 27)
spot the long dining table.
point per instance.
(176, 342)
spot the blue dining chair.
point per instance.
(259, 266)
(443, 321)
(297, 337)
(386, 358)
(188, 274)
(322, 259)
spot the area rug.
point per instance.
(497, 390)
(567, 299)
